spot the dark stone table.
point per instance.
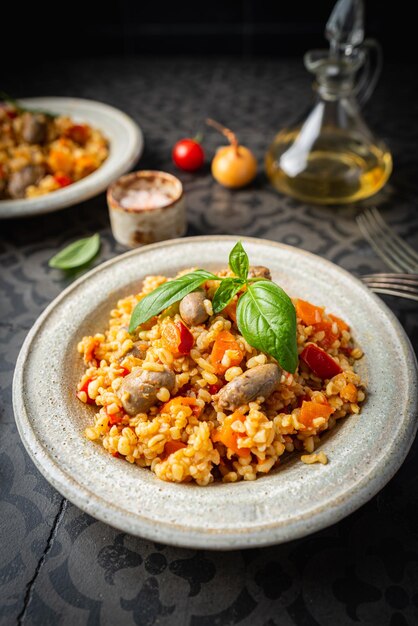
(60, 566)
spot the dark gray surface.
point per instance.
(58, 565)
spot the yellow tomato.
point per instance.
(234, 166)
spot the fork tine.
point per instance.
(413, 254)
(364, 228)
(384, 238)
(403, 288)
(395, 246)
(394, 292)
(395, 279)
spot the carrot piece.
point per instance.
(223, 342)
(182, 401)
(312, 410)
(349, 393)
(330, 337)
(308, 313)
(231, 310)
(172, 446)
(60, 161)
(340, 323)
(229, 437)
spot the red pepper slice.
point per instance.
(177, 338)
(172, 446)
(84, 388)
(63, 180)
(320, 362)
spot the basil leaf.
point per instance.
(225, 292)
(166, 294)
(267, 320)
(238, 261)
(76, 254)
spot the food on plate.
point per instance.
(235, 165)
(40, 152)
(188, 154)
(208, 376)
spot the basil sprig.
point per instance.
(76, 254)
(266, 316)
(225, 292)
(166, 294)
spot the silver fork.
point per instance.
(391, 248)
(400, 285)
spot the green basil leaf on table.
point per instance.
(238, 261)
(225, 292)
(76, 254)
(267, 320)
(166, 294)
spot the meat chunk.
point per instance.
(20, 181)
(34, 127)
(258, 381)
(259, 271)
(138, 350)
(192, 308)
(139, 389)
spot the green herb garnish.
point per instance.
(266, 316)
(76, 254)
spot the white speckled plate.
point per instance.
(364, 451)
(126, 145)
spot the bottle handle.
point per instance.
(369, 75)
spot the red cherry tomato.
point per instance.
(188, 155)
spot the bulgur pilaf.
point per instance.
(40, 153)
(194, 430)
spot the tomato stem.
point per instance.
(198, 137)
(227, 132)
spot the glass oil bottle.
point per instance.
(332, 157)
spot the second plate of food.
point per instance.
(187, 433)
(50, 162)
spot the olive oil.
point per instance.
(339, 168)
(332, 157)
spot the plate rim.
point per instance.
(27, 207)
(176, 535)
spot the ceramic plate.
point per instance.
(364, 451)
(126, 145)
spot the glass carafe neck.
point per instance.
(335, 75)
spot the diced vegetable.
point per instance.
(213, 389)
(321, 363)
(231, 310)
(79, 133)
(62, 179)
(308, 313)
(84, 388)
(329, 337)
(230, 437)
(313, 410)
(115, 418)
(349, 393)
(340, 323)
(172, 446)
(60, 161)
(183, 401)
(226, 352)
(177, 338)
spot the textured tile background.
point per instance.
(58, 565)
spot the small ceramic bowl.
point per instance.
(145, 207)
